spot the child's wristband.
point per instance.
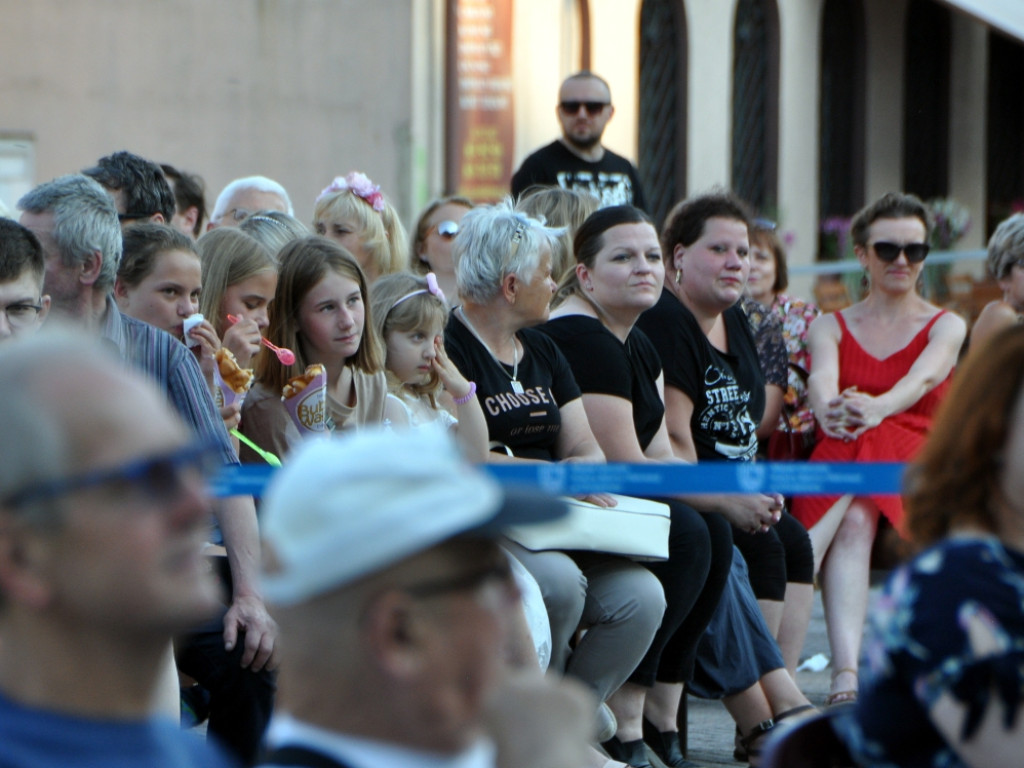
(468, 396)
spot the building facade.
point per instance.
(807, 108)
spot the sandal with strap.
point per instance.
(740, 754)
(749, 743)
(845, 696)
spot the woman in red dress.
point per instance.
(879, 369)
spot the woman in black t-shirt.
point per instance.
(619, 275)
(534, 413)
(715, 397)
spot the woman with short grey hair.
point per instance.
(534, 413)
(1005, 264)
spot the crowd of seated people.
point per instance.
(544, 329)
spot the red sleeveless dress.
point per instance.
(897, 438)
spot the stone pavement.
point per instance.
(711, 730)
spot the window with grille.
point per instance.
(1005, 156)
(926, 87)
(662, 129)
(755, 88)
(842, 117)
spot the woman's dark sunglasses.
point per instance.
(889, 252)
(446, 229)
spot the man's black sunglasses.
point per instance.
(592, 107)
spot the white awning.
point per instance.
(1006, 16)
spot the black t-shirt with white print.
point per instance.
(528, 423)
(726, 388)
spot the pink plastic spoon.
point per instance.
(286, 356)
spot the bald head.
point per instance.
(69, 404)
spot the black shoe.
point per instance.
(629, 752)
(667, 746)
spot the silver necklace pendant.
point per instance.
(517, 386)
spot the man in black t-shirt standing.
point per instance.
(578, 160)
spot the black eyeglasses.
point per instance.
(592, 107)
(21, 314)
(889, 252)
(160, 478)
(122, 217)
(446, 229)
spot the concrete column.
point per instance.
(968, 123)
(709, 71)
(426, 125)
(537, 38)
(615, 55)
(799, 129)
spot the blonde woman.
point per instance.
(354, 213)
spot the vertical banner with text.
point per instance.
(480, 128)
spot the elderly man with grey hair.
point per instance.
(76, 222)
(243, 197)
(396, 605)
(103, 514)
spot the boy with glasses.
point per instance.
(578, 160)
(23, 306)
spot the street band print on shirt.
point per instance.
(611, 188)
(725, 415)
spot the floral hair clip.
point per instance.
(432, 288)
(358, 184)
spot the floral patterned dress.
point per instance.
(949, 626)
(796, 316)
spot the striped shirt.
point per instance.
(173, 368)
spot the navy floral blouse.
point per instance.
(949, 624)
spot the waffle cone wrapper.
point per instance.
(305, 399)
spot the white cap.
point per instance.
(346, 507)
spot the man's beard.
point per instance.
(588, 143)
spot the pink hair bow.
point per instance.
(434, 288)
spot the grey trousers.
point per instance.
(619, 603)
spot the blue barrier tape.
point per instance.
(789, 478)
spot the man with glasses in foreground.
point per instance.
(103, 515)
(396, 603)
(23, 306)
(578, 160)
